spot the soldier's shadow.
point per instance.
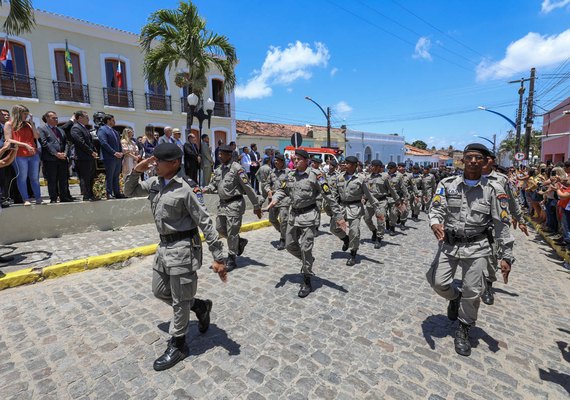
(198, 343)
(243, 262)
(502, 291)
(21, 258)
(316, 282)
(339, 255)
(440, 326)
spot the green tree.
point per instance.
(20, 18)
(508, 145)
(420, 144)
(179, 37)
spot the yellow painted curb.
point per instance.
(29, 275)
(562, 253)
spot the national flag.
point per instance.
(68, 63)
(6, 58)
(119, 75)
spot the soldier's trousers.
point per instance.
(374, 223)
(177, 291)
(299, 242)
(394, 213)
(228, 227)
(278, 216)
(416, 206)
(491, 271)
(353, 232)
(440, 277)
(426, 202)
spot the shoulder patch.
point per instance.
(243, 176)
(503, 200)
(436, 201)
(505, 217)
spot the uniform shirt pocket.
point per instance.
(178, 254)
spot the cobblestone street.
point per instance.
(375, 330)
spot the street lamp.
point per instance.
(500, 115)
(489, 140)
(207, 106)
(327, 115)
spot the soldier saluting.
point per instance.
(179, 210)
(462, 209)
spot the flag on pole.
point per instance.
(119, 75)
(6, 58)
(68, 63)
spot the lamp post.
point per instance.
(327, 115)
(203, 113)
(500, 115)
(489, 140)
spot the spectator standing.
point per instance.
(6, 174)
(85, 154)
(149, 141)
(112, 155)
(22, 129)
(191, 158)
(130, 152)
(167, 137)
(245, 161)
(235, 152)
(255, 165)
(207, 160)
(54, 158)
(217, 154)
(176, 135)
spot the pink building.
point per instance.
(556, 133)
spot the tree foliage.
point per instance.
(20, 18)
(508, 145)
(420, 144)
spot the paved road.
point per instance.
(372, 331)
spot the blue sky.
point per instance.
(413, 67)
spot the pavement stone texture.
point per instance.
(372, 331)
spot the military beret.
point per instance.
(376, 163)
(279, 157)
(401, 164)
(351, 159)
(167, 152)
(416, 166)
(481, 148)
(316, 159)
(302, 153)
(226, 148)
(392, 164)
(334, 163)
(492, 155)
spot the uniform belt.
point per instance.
(177, 236)
(304, 209)
(381, 197)
(346, 203)
(470, 239)
(232, 199)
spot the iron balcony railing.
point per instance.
(18, 85)
(118, 97)
(67, 91)
(158, 102)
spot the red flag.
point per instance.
(119, 76)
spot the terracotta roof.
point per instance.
(256, 128)
(415, 151)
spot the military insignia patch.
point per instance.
(283, 184)
(450, 191)
(326, 188)
(503, 200)
(436, 201)
(243, 176)
(199, 195)
(505, 216)
(440, 191)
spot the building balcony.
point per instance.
(118, 97)
(220, 109)
(158, 102)
(18, 85)
(66, 91)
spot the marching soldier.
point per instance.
(262, 176)
(462, 209)
(278, 215)
(397, 209)
(349, 190)
(178, 209)
(428, 188)
(230, 182)
(379, 185)
(416, 187)
(331, 175)
(302, 186)
(409, 199)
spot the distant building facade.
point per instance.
(368, 146)
(556, 133)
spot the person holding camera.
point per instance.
(22, 130)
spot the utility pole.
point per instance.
(529, 115)
(328, 127)
(519, 114)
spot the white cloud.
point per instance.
(334, 71)
(283, 67)
(422, 49)
(343, 109)
(533, 50)
(289, 90)
(550, 5)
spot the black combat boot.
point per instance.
(346, 243)
(241, 246)
(352, 259)
(462, 343)
(453, 308)
(281, 245)
(374, 236)
(488, 297)
(173, 354)
(231, 263)
(306, 287)
(378, 243)
(202, 310)
(403, 225)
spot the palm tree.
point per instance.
(20, 18)
(180, 37)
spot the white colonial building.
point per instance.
(368, 146)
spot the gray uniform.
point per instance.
(379, 186)
(466, 213)
(415, 193)
(399, 184)
(302, 188)
(262, 176)
(178, 209)
(278, 215)
(349, 191)
(428, 189)
(231, 182)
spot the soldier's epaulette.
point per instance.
(190, 181)
(450, 179)
(496, 186)
(195, 188)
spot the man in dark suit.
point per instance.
(255, 165)
(112, 155)
(54, 158)
(85, 154)
(192, 158)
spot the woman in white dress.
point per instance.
(130, 151)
